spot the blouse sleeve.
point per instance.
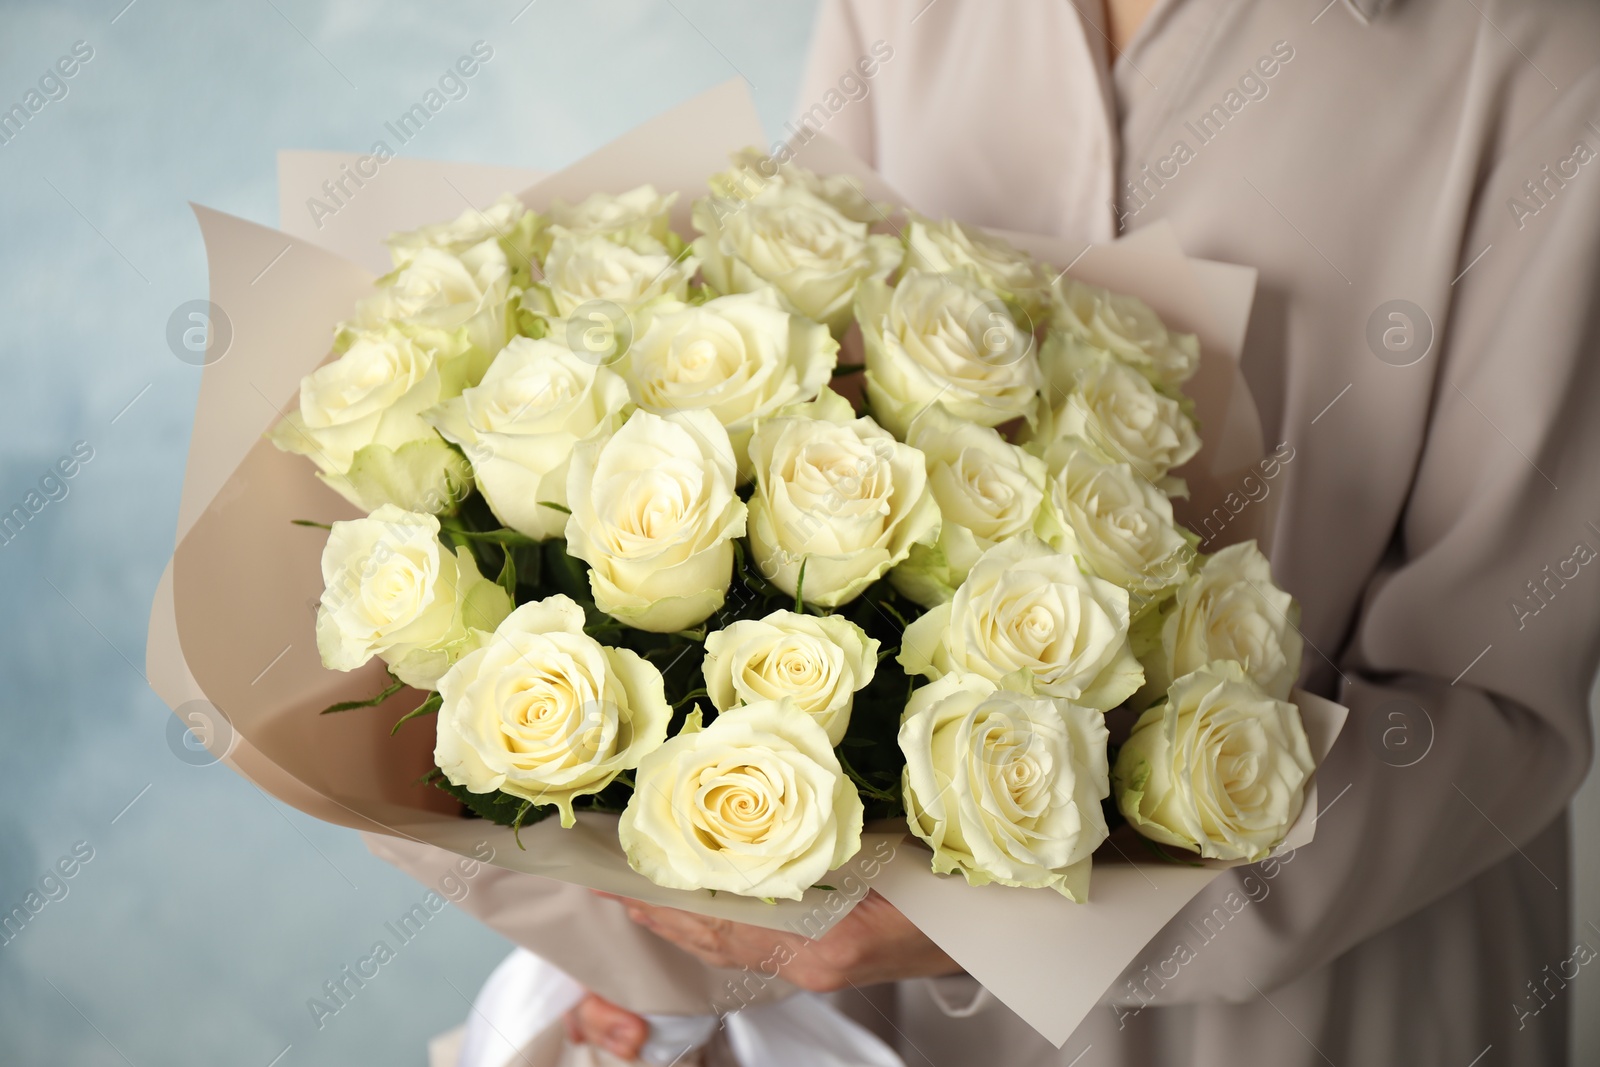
(1496, 551)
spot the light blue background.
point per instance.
(210, 914)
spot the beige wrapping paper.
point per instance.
(232, 647)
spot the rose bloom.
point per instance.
(436, 290)
(1118, 524)
(391, 590)
(520, 424)
(639, 218)
(546, 713)
(837, 495)
(361, 421)
(1128, 328)
(654, 514)
(942, 339)
(504, 218)
(1028, 619)
(818, 661)
(587, 269)
(789, 238)
(1218, 768)
(741, 357)
(1095, 398)
(1005, 787)
(987, 489)
(947, 247)
(754, 804)
(1231, 609)
(753, 170)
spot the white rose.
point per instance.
(741, 357)
(583, 269)
(1219, 768)
(1005, 787)
(1118, 524)
(836, 495)
(987, 490)
(1230, 609)
(819, 662)
(1028, 619)
(796, 242)
(993, 263)
(754, 804)
(501, 220)
(519, 425)
(547, 713)
(639, 218)
(753, 170)
(1112, 408)
(940, 339)
(654, 514)
(436, 290)
(391, 590)
(360, 420)
(1128, 328)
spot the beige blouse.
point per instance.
(1416, 181)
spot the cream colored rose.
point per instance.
(391, 590)
(1231, 609)
(948, 247)
(987, 490)
(436, 290)
(361, 421)
(1005, 787)
(1128, 328)
(837, 495)
(753, 170)
(639, 218)
(754, 804)
(1029, 620)
(818, 661)
(1219, 768)
(504, 218)
(1099, 400)
(791, 239)
(654, 514)
(584, 269)
(520, 424)
(940, 339)
(547, 713)
(1119, 525)
(741, 357)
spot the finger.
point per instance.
(705, 938)
(611, 1027)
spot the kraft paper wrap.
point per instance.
(232, 648)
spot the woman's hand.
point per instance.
(596, 1021)
(874, 943)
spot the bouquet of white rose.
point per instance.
(754, 527)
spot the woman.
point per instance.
(1416, 181)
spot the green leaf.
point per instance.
(371, 702)
(826, 888)
(508, 574)
(496, 537)
(555, 507)
(432, 704)
(308, 522)
(799, 586)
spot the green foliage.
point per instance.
(532, 570)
